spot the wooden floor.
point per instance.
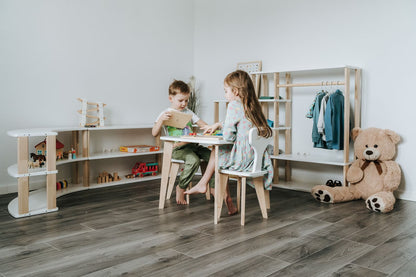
(120, 231)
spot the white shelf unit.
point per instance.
(44, 200)
(285, 99)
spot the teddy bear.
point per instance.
(373, 176)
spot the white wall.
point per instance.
(123, 53)
(379, 36)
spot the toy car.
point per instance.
(143, 169)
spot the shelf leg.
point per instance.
(85, 153)
(23, 182)
(75, 169)
(344, 171)
(23, 194)
(86, 174)
(216, 112)
(51, 166)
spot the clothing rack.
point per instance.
(287, 83)
(323, 83)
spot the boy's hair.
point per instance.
(241, 81)
(178, 87)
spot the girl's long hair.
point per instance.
(241, 81)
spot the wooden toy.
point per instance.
(98, 112)
(143, 169)
(178, 119)
(61, 184)
(106, 177)
(40, 151)
(139, 148)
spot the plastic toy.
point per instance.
(143, 169)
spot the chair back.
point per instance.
(259, 145)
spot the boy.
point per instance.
(191, 153)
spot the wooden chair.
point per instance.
(259, 145)
(173, 173)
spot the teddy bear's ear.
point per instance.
(355, 132)
(395, 138)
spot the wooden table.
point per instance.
(167, 156)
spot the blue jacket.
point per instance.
(334, 121)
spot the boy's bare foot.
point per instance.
(232, 210)
(199, 188)
(180, 197)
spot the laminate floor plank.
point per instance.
(408, 269)
(352, 270)
(119, 230)
(326, 261)
(254, 266)
(392, 254)
(300, 248)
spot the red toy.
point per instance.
(143, 169)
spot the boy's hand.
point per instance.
(166, 116)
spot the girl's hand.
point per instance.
(209, 129)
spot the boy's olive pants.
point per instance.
(192, 154)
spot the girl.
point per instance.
(243, 113)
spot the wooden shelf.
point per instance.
(67, 161)
(305, 69)
(110, 155)
(37, 203)
(281, 127)
(330, 160)
(12, 171)
(294, 185)
(261, 101)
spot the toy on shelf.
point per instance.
(139, 148)
(38, 160)
(72, 154)
(40, 152)
(98, 112)
(61, 184)
(143, 169)
(106, 177)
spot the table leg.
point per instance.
(220, 186)
(167, 156)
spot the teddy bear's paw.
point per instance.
(323, 196)
(375, 203)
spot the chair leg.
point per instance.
(173, 173)
(267, 195)
(187, 196)
(203, 166)
(221, 198)
(243, 199)
(238, 193)
(258, 184)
